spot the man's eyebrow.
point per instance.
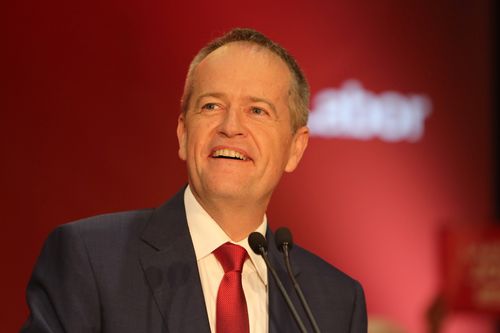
(210, 94)
(253, 99)
(262, 100)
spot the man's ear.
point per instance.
(298, 146)
(181, 136)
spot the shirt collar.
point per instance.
(207, 235)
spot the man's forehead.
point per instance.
(245, 51)
(242, 46)
(246, 62)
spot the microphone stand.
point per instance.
(296, 285)
(258, 244)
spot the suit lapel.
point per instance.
(169, 263)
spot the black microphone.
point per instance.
(284, 242)
(259, 245)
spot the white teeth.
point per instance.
(229, 153)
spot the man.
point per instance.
(243, 123)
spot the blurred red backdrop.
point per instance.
(90, 101)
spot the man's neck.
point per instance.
(238, 218)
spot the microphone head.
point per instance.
(283, 237)
(257, 242)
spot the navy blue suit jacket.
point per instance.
(136, 272)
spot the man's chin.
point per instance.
(223, 190)
(229, 191)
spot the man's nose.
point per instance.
(232, 123)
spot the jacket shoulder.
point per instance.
(311, 262)
(319, 272)
(106, 231)
(337, 299)
(108, 223)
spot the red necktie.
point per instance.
(231, 313)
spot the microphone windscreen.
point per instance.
(283, 236)
(257, 242)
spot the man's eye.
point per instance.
(258, 111)
(210, 106)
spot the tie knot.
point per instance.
(231, 257)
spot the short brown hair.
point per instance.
(299, 90)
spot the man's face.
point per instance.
(236, 135)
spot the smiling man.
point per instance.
(236, 133)
(187, 266)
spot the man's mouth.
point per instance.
(228, 153)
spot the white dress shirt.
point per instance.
(207, 236)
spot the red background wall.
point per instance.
(91, 96)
